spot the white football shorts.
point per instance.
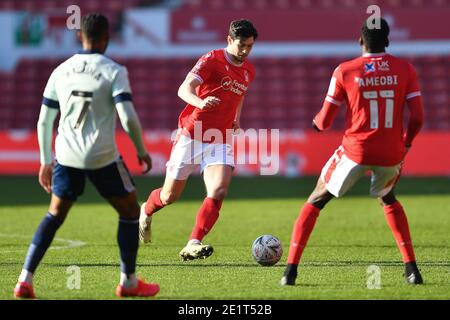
(340, 174)
(188, 155)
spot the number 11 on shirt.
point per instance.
(372, 96)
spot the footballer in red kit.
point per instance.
(375, 87)
(214, 91)
(220, 77)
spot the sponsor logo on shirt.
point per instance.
(369, 67)
(229, 84)
(85, 68)
(383, 65)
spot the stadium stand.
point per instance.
(113, 9)
(287, 92)
(88, 5)
(116, 5)
(305, 4)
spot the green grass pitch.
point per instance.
(350, 235)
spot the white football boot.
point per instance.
(145, 226)
(196, 250)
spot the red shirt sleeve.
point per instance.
(415, 123)
(325, 117)
(335, 97)
(336, 90)
(415, 106)
(203, 68)
(412, 89)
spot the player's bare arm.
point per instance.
(324, 119)
(47, 117)
(187, 92)
(147, 161)
(131, 124)
(45, 177)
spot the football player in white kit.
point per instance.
(87, 90)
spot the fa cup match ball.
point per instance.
(267, 250)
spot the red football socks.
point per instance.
(153, 203)
(301, 232)
(396, 218)
(206, 218)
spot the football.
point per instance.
(267, 250)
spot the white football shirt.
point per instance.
(85, 88)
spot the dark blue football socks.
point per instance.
(42, 239)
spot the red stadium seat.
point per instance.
(287, 92)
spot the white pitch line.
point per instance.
(69, 243)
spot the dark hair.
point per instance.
(375, 39)
(94, 26)
(242, 29)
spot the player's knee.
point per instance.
(387, 199)
(61, 216)
(168, 197)
(219, 193)
(319, 204)
(320, 200)
(129, 211)
(59, 211)
(130, 214)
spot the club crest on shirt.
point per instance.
(369, 67)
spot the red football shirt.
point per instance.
(222, 79)
(375, 88)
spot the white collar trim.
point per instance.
(379, 54)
